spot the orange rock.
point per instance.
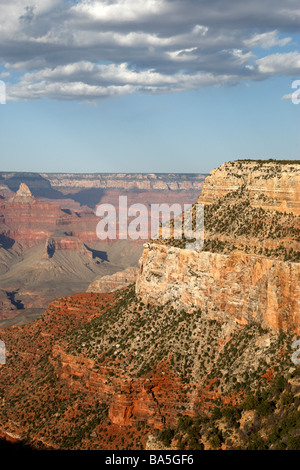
(246, 287)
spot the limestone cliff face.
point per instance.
(127, 181)
(231, 277)
(248, 288)
(23, 192)
(115, 281)
(271, 185)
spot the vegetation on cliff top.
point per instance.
(270, 160)
(233, 223)
(195, 345)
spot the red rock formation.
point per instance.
(41, 368)
(69, 243)
(151, 398)
(29, 220)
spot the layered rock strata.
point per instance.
(249, 288)
(115, 281)
(271, 185)
(249, 265)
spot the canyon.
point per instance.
(194, 354)
(48, 241)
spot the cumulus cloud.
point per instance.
(266, 40)
(280, 64)
(120, 11)
(87, 81)
(95, 49)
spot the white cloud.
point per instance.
(287, 97)
(20, 13)
(66, 91)
(266, 40)
(4, 74)
(102, 81)
(183, 55)
(119, 10)
(101, 48)
(241, 57)
(279, 64)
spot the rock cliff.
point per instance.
(29, 220)
(249, 288)
(127, 181)
(271, 185)
(60, 243)
(23, 192)
(249, 265)
(114, 281)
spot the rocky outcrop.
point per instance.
(130, 400)
(69, 243)
(248, 288)
(29, 220)
(271, 185)
(249, 267)
(116, 281)
(23, 192)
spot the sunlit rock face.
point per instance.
(249, 288)
(114, 281)
(271, 185)
(228, 276)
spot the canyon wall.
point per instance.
(248, 288)
(115, 281)
(271, 185)
(62, 243)
(224, 278)
(29, 220)
(55, 184)
(128, 181)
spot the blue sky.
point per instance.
(152, 86)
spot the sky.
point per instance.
(147, 85)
